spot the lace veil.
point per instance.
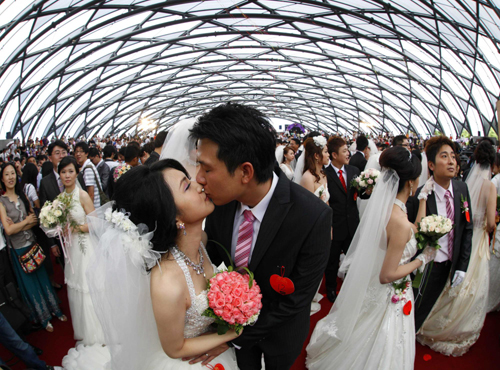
(478, 183)
(364, 261)
(299, 168)
(279, 153)
(424, 176)
(180, 147)
(120, 287)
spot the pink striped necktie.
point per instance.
(450, 213)
(244, 243)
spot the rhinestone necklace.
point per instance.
(198, 268)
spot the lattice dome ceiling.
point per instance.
(81, 67)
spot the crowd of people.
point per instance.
(137, 293)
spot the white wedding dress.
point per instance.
(86, 326)
(323, 194)
(98, 357)
(383, 337)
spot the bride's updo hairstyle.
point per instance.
(143, 192)
(406, 165)
(484, 154)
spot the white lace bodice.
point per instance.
(194, 324)
(322, 193)
(77, 212)
(410, 250)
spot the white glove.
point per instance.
(426, 256)
(457, 278)
(427, 188)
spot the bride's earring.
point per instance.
(411, 189)
(182, 227)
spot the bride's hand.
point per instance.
(209, 356)
(214, 352)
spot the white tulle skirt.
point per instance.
(86, 326)
(383, 338)
(96, 357)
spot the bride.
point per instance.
(152, 320)
(86, 326)
(371, 325)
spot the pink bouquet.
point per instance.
(234, 300)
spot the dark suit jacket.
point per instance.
(154, 157)
(345, 211)
(103, 171)
(358, 160)
(295, 234)
(463, 229)
(48, 191)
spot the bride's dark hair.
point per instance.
(406, 164)
(143, 192)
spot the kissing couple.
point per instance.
(153, 259)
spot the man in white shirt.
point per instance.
(290, 230)
(88, 173)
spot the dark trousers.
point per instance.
(436, 282)
(251, 358)
(12, 341)
(332, 269)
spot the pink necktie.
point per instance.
(450, 213)
(244, 243)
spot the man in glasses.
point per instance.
(401, 140)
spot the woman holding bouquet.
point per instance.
(152, 321)
(18, 219)
(86, 326)
(456, 319)
(371, 324)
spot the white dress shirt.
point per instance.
(344, 174)
(258, 211)
(439, 192)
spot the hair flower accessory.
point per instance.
(136, 238)
(319, 141)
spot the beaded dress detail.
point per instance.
(195, 324)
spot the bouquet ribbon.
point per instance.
(65, 243)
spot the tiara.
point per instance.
(319, 141)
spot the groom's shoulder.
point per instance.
(303, 200)
(460, 185)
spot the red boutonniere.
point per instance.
(465, 207)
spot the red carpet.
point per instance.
(484, 355)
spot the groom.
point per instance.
(451, 261)
(289, 237)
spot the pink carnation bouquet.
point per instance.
(234, 300)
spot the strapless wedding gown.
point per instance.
(195, 324)
(323, 194)
(383, 336)
(86, 326)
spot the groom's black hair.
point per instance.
(243, 134)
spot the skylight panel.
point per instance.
(482, 101)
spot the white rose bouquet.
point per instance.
(55, 220)
(366, 180)
(430, 230)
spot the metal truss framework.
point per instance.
(81, 67)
